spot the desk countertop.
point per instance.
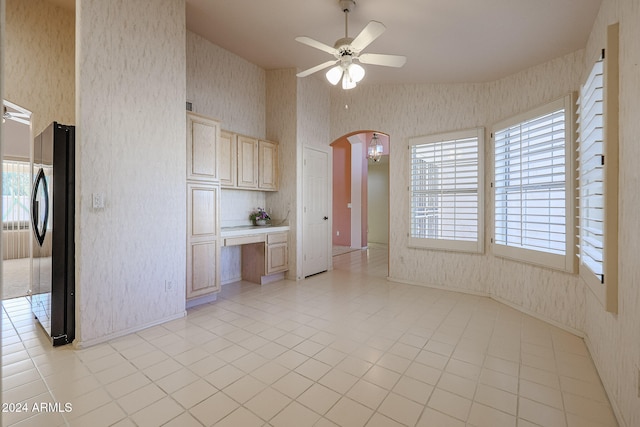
(249, 230)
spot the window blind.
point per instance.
(531, 186)
(445, 188)
(591, 172)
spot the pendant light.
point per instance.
(374, 151)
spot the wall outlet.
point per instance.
(168, 285)
(337, 233)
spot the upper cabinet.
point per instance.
(202, 148)
(267, 165)
(247, 163)
(227, 163)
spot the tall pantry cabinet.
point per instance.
(203, 205)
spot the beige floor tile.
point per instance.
(379, 420)
(589, 409)
(485, 416)
(183, 420)
(270, 372)
(347, 412)
(432, 359)
(413, 389)
(214, 408)
(499, 380)
(354, 366)
(126, 385)
(450, 404)
(540, 376)
(319, 398)
(338, 380)
(292, 384)
(496, 398)
(224, 376)
(140, 398)
(463, 369)
(240, 417)
(458, 385)
(432, 418)
(424, 373)
(541, 394)
(540, 414)
(268, 403)
(244, 389)
(295, 415)
(194, 393)
(401, 409)
(157, 413)
(313, 369)
(383, 377)
(367, 394)
(177, 380)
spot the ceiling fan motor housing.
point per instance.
(347, 5)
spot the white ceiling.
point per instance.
(444, 40)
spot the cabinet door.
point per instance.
(227, 159)
(277, 258)
(247, 162)
(202, 269)
(202, 148)
(203, 239)
(267, 165)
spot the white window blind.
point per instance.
(446, 191)
(533, 186)
(591, 173)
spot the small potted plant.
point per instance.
(259, 217)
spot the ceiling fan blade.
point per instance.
(316, 44)
(380, 59)
(317, 68)
(372, 31)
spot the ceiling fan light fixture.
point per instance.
(347, 81)
(356, 72)
(334, 74)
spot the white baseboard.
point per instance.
(84, 344)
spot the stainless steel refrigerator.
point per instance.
(52, 222)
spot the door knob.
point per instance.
(325, 218)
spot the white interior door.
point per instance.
(315, 214)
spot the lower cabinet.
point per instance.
(263, 257)
(203, 239)
(277, 253)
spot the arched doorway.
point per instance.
(360, 193)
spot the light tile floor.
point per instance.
(345, 348)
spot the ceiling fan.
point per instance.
(347, 50)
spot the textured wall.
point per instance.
(39, 64)
(131, 132)
(281, 119)
(614, 340)
(224, 86)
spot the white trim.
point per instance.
(470, 246)
(568, 261)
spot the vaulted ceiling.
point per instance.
(444, 40)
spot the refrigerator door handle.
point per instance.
(39, 230)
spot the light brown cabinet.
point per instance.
(227, 162)
(247, 163)
(203, 205)
(267, 165)
(277, 253)
(202, 148)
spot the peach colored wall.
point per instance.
(341, 192)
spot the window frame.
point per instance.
(564, 262)
(470, 246)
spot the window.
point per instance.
(446, 191)
(598, 176)
(16, 189)
(533, 187)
